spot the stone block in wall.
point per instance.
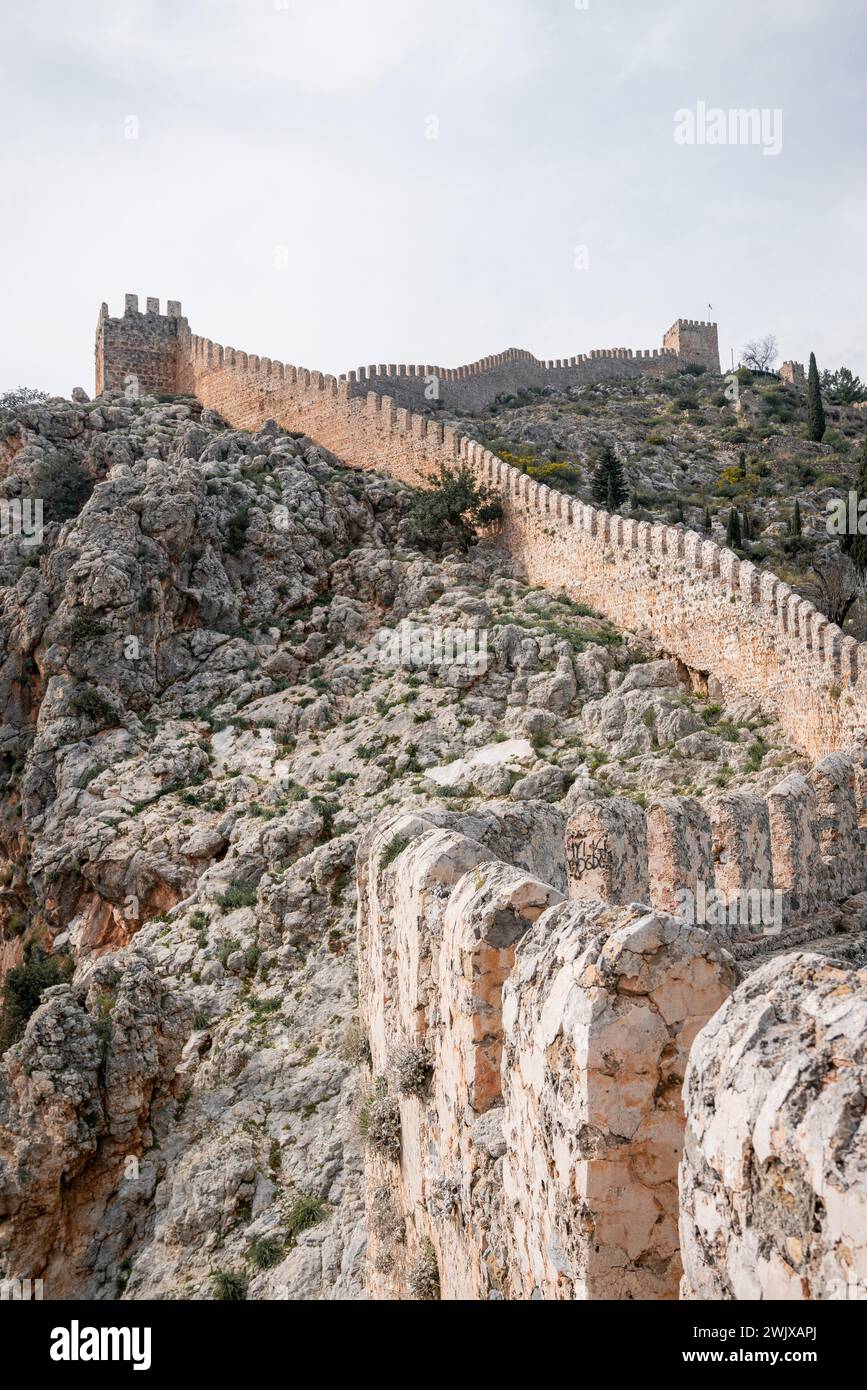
(794, 844)
(528, 834)
(679, 850)
(606, 852)
(858, 755)
(403, 863)
(488, 914)
(742, 865)
(773, 1181)
(599, 1014)
(439, 921)
(843, 870)
(407, 868)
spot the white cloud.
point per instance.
(328, 47)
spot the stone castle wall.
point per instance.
(805, 840)
(720, 616)
(585, 1100)
(538, 1157)
(563, 1105)
(157, 350)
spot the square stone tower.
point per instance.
(139, 353)
(695, 341)
(793, 373)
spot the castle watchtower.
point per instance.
(694, 341)
(140, 351)
(793, 374)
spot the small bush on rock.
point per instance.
(62, 484)
(21, 396)
(23, 989)
(454, 508)
(423, 1279)
(412, 1065)
(379, 1120)
(386, 1221)
(265, 1252)
(355, 1047)
(396, 848)
(229, 1286)
(304, 1211)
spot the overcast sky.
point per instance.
(283, 185)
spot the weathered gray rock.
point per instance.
(774, 1173)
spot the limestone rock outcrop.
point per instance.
(774, 1173)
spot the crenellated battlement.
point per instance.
(152, 348)
(555, 1010)
(694, 341)
(793, 373)
(141, 353)
(742, 629)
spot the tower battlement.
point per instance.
(695, 342)
(141, 352)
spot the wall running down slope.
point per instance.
(722, 617)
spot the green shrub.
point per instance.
(89, 704)
(265, 1252)
(62, 484)
(238, 895)
(396, 848)
(453, 508)
(84, 627)
(236, 534)
(229, 1286)
(23, 988)
(304, 1211)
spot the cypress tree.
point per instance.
(795, 523)
(733, 530)
(607, 485)
(815, 409)
(708, 524)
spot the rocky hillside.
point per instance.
(217, 669)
